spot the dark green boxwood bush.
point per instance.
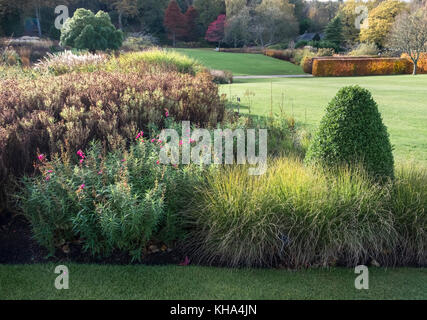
(351, 131)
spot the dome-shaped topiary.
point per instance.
(352, 131)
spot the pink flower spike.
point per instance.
(186, 262)
(82, 186)
(41, 157)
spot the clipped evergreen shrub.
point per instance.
(352, 131)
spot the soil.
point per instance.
(18, 247)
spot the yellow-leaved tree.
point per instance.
(381, 20)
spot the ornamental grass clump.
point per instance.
(352, 131)
(299, 216)
(67, 61)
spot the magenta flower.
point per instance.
(123, 160)
(49, 171)
(100, 172)
(41, 157)
(140, 135)
(166, 113)
(82, 186)
(153, 140)
(158, 162)
(180, 142)
(81, 154)
(81, 161)
(47, 178)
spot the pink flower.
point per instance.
(140, 135)
(180, 142)
(41, 157)
(158, 162)
(100, 172)
(47, 178)
(49, 171)
(166, 113)
(153, 140)
(82, 186)
(159, 141)
(81, 154)
(81, 161)
(123, 160)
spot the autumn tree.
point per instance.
(216, 30)
(191, 16)
(409, 35)
(381, 20)
(208, 11)
(175, 22)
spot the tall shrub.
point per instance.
(351, 131)
(85, 30)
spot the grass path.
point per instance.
(181, 283)
(242, 64)
(402, 101)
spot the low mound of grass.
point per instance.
(156, 58)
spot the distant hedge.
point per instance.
(340, 66)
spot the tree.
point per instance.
(174, 22)
(349, 15)
(86, 30)
(191, 16)
(381, 20)
(124, 8)
(333, 31)
(216, 30)
(208, 12)
(273, 21)
(409, 35)
(237, 28)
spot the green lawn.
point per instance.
(174, 282)
(402, 101)
(242, 63)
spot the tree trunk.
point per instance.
(120, 20)
(174, 39)
(39, 29)
(414, 72)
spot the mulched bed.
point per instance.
(18, 247)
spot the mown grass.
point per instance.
(242, 63)
(402, 101)
(194, 282)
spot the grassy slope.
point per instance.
(173, 282)
(242, 63)
(402, 101)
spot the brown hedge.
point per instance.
(338, 66)
(69, 111)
